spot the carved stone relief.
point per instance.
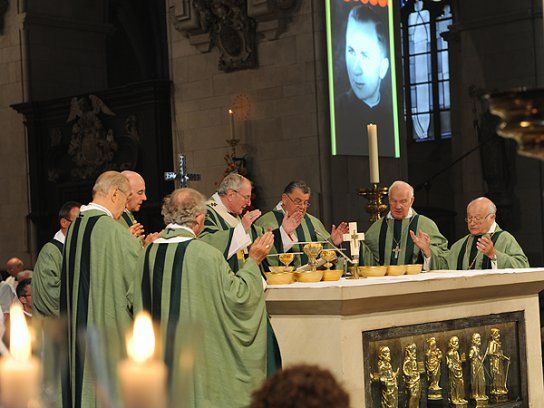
(232, 26)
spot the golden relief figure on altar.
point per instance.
(481, 365)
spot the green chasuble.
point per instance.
(464, 254)
(188, 287)
(310, 229)
(127, 219)
(388, 242)
(218, 233)
(46, 280)
(99, 265)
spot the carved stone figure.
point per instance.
(387, 379)
(455, 371)
(477, 375)
(433, 359)
(498, 367)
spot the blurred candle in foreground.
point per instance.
(20, 372)
(142, 378)
(372, 130)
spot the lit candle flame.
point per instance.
(19, 333)
(141, 345)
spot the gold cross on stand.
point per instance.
(354, 239)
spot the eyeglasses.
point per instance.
(246, 197)
(299, 203)
(477, 218)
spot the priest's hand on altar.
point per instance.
(249, 218)
(485, 245)
(137, 230)
(422, 241)
(337, 233)
(291, 221)
(261, 247)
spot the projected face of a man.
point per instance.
(366, 61)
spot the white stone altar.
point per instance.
(323, 323)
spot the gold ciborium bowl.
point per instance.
(396, 270)
(413, 269)
(309, 276)
(279, 278)
(372, 271)
(332, 274)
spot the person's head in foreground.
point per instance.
(301, 386)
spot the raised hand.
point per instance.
(150, 238)
(422, 241)
(485, 245)
(337, 233)
(261, 247)
(249, 217)
(291, 221)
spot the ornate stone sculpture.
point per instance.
(412, 378)
(92, 147)
(477, 375)
(455, 370)
(387, 379)
(499, 365)
(433, 358)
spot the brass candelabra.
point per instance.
(374, 195)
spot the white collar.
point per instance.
(59, 236)
(183, 227)
(217, 198)
(279, 207)
(94, 206)
(410, 214)
(492, 228)
(178, 238)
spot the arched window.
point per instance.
(426, 68)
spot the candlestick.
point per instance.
(231, 116)
(373, 159)
(374, 195)
(142, 378)
(20, 373)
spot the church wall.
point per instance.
(66, 46)
(14, 234)
(496, 45)
(286, 133)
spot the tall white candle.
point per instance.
(142, 378)
(372, 130)
(231, 118)
(20, 373)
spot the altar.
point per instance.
(344, 326)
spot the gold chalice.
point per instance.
(286, 258)
(328, 255)
(313, 249)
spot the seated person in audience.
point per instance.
(301, 386)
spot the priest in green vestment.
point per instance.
(226, 229)
(486, 246)
(134, 203)
(99, 265)
(188, 287)
(404, 237)
(296, 198)
(46, 274)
